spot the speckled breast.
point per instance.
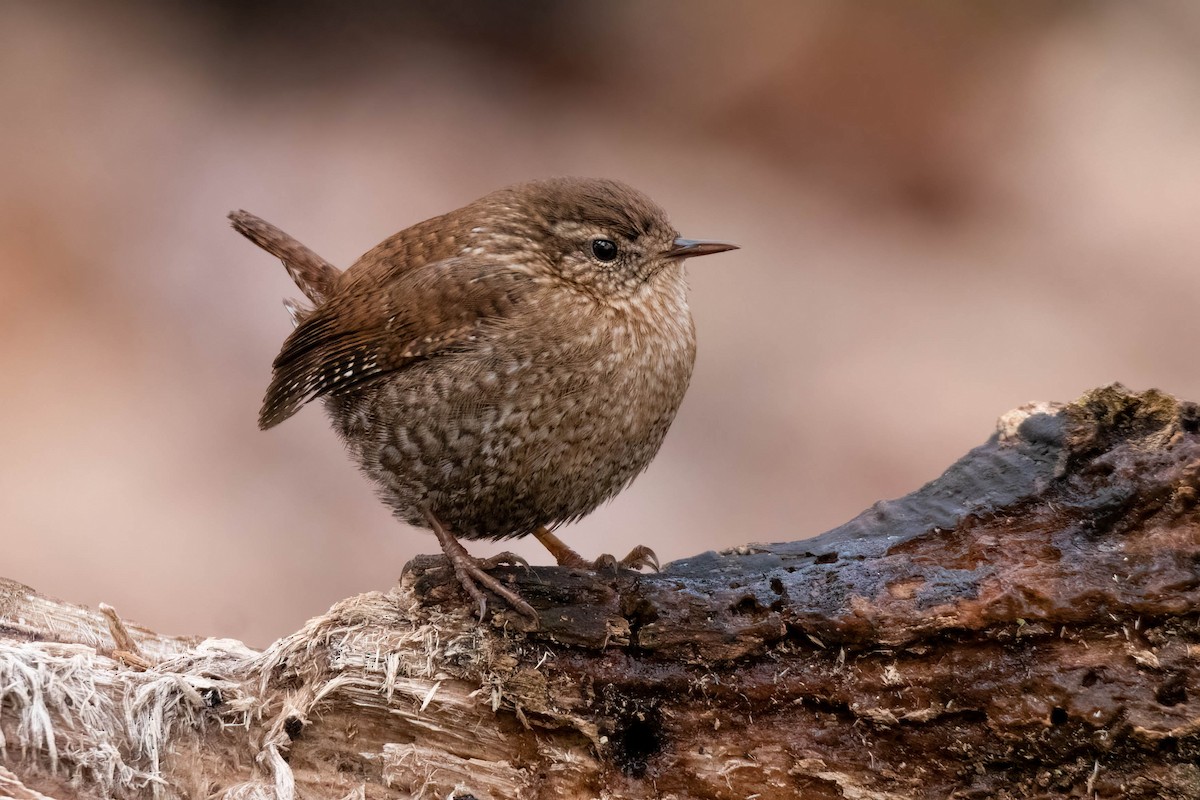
(530, 425)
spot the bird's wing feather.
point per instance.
(366, 332)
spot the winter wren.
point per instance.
(500, 369)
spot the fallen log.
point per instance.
(1026, 625)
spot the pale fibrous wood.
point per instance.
(1027, 625)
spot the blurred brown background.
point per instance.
(947, 209)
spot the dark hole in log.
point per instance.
(776, 586)
(638, 611)
(827, 558)
(1090, 678)
(1058, 716)
(637, 738)
(1189, 417)
(292, 726)
(1173, 690)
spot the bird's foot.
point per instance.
(639, 557)
(471, 572)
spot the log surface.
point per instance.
(1026, 625)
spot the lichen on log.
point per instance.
(1026, 625)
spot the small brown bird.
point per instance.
(501, 369)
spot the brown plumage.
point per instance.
(500, 369)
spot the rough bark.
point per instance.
(1027, 625)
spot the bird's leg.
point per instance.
(470, 571)
(640, 556)
(564, 555)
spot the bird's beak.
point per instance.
(687, 248)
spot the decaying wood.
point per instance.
(1027, 625)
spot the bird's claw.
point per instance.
(472, 573)
(638, 558)
(505, 559)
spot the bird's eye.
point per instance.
(604, 249)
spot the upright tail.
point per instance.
(315, 276)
